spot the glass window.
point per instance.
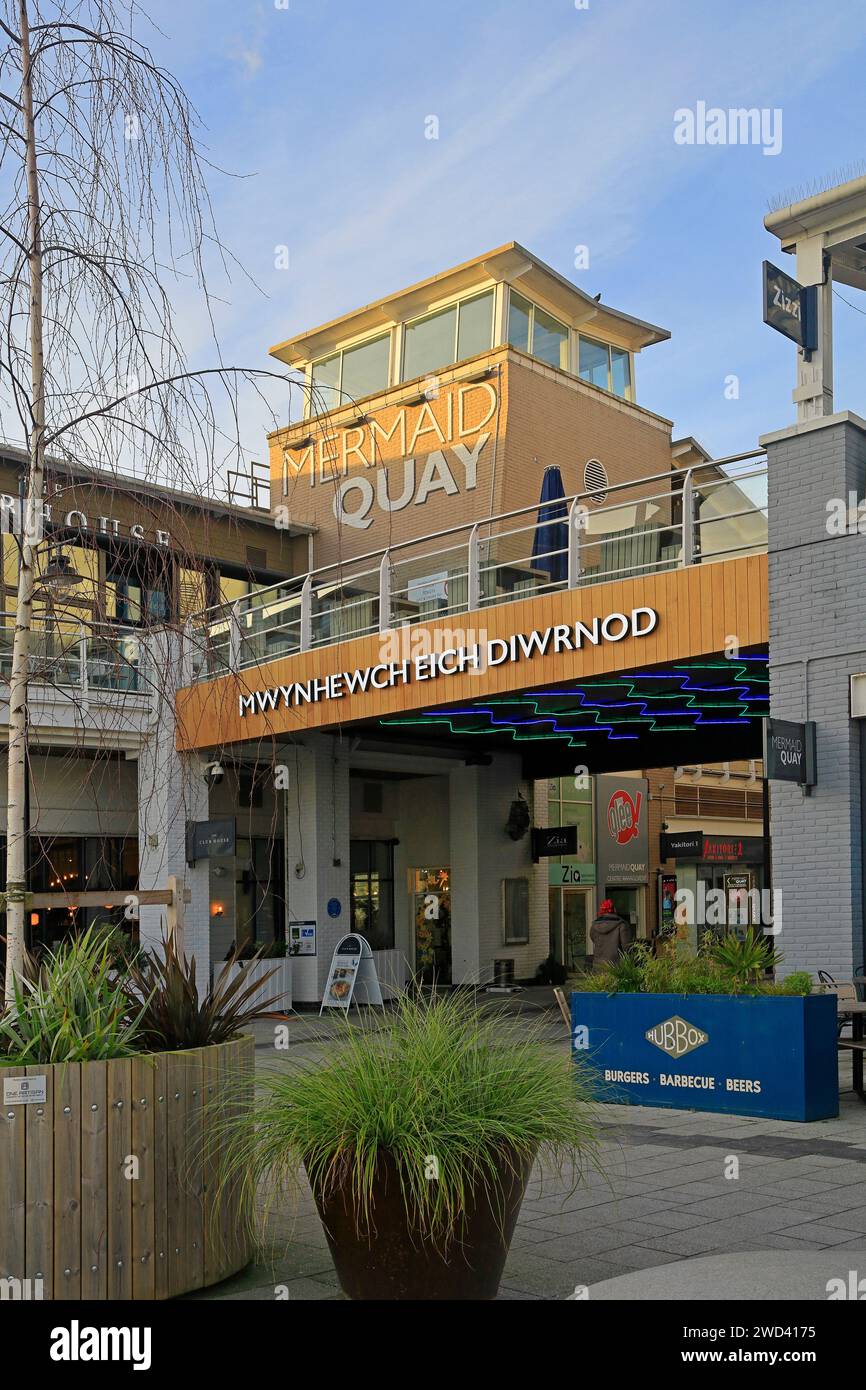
(519, 311)
(550, 340)
(515, 910)
(620, 372)
(192, 592)
(325, 394)
(594, 363)
(475, 329)
(372, 892)
(365, 368)
(429, 343)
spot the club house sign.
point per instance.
(562, 637)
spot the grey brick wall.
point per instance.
(817, 640)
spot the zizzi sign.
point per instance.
(562, 637)
(438, 450)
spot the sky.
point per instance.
(555, 129)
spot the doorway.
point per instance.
(570, 917)
(431, 913)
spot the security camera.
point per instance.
(212, 774)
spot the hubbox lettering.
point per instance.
(676, 1037)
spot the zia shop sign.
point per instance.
(451, 447)
(562, 637)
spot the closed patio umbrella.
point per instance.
(550, 546)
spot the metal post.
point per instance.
(688, 555)
(473, 596)
(576, 514)
(83, 682)
(306, 633)
(385, 592)
(235, 636)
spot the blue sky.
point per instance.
(556, 130)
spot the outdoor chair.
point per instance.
(845, 990)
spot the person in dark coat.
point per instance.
(610, 934)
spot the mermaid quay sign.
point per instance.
(451, 445)
(562, 637)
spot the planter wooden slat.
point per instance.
(228, 1203)
(175, 1102)
(94, 1180)
(119, 1184)
(110, 1189)
(160, 1174)
(211, 1152)
(67, 1182)
(38, 1121)
(192, 1171)
(143, 1213)
(13, 1225)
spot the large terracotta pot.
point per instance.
(392, 1262)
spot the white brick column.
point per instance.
(170, 792)
(317, 836)
(482, 855)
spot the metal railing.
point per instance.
(88, 658)
(666, 521)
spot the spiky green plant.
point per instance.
(175, 1017)
(72, 1007)
(436, 1078)
(745, 961)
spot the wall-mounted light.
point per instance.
(217, 909)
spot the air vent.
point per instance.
(595, 481)
(256, 557)
(371, 798)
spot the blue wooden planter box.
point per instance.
(771, 1056)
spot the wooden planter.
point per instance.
(71, 1214)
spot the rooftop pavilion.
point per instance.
(506, 296)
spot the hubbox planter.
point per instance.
(112, 1185)
(395, 1263)
(772, 1056)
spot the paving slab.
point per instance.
(761, 1275)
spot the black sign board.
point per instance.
(790, 752)
(209, 839)
(715, 849)
(686, 844)
(791, 308)
(556, 839)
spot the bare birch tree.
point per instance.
(107, 225)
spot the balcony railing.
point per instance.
(91, 658)
(712, 512)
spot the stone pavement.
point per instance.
(664, 1199)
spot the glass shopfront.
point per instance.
(570, 877)
(76, 864)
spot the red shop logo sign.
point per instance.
(623, 816)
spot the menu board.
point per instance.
(352, 976)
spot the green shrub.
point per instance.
(72, 1007)
(434, 1077)
(726, 965)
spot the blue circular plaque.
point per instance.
(335, 907)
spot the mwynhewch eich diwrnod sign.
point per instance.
(479, 656)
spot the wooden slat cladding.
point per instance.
(699, 610)
(107, 1184)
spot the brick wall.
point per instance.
(817, 640)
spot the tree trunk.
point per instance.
(17, 829)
